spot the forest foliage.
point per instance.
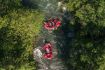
(87, 49)
(19, 27)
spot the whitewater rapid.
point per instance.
(51, 10)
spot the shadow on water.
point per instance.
(64, 36)
(32, 4)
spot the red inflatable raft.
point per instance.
(48, 51)
(52, 24)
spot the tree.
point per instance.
(19, 28)
(87, 47)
